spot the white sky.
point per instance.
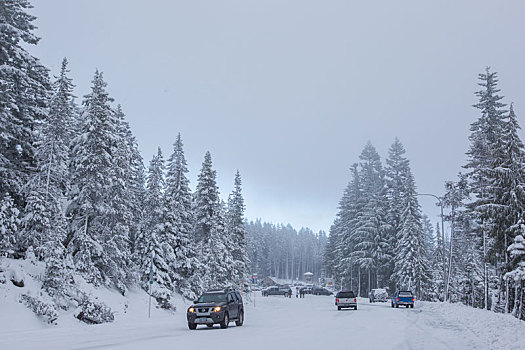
(289, 92)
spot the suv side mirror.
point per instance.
(195, 301)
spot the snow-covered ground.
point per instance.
(272, 323)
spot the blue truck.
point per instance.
(403, 297)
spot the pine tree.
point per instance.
(44, 224)
(485, 132)
(152, 241)
(345, 227)
(237, 231)
(24, 90)
(411, 270)
(98, 240)
(372, 249)
(438, 267)
(397, 170)
(507, 195)
(132, 174)
(179, 223)
(218, 258)
(206, 201)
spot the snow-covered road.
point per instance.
(274, 323)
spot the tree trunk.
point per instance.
(368, 280)
(516, 301)
(507, 306)
(520, 313)
(450, 253)
(351, 278)
(359, 281)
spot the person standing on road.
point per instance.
(297, 292)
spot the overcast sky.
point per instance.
(289, 92)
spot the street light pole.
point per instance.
(440, 203)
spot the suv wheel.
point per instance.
(339, 308)
(240, 321)
(225, 321)
(192, 325)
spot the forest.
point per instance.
(380, 237)
(76, 194)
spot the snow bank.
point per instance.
(496, 331)
(30, 308)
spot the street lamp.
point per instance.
(440, 203)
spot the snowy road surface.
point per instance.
(275, 323)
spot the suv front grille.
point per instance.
(203, 309)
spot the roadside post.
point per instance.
(150, 283)
(254, 282)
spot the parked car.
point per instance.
(321, 291)
(403, 297)
(218, 306)
(344, 299)
(276, 290)
(378, 294)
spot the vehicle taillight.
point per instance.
(337, 300)
(355, 300)
(397, 299)
(413, 299)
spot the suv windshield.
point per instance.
(345, 295)
(405, 294)
(212, 298)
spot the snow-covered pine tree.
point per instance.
(330, 259)
(346, 224)
(9, 223)
(43, 223)
(206, 205)
(507, 197)
(24, 86)
(97, 240)
(151, 240)
(485, 132)
(237, 231)
(396, 172)
(428, 235)
(371, 251)
(178, 224)
(120, 197)
(133, 177)
(411, 269)
(219, 260)
(438, 267)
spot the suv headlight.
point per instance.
(217, 309)
(191, 310)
